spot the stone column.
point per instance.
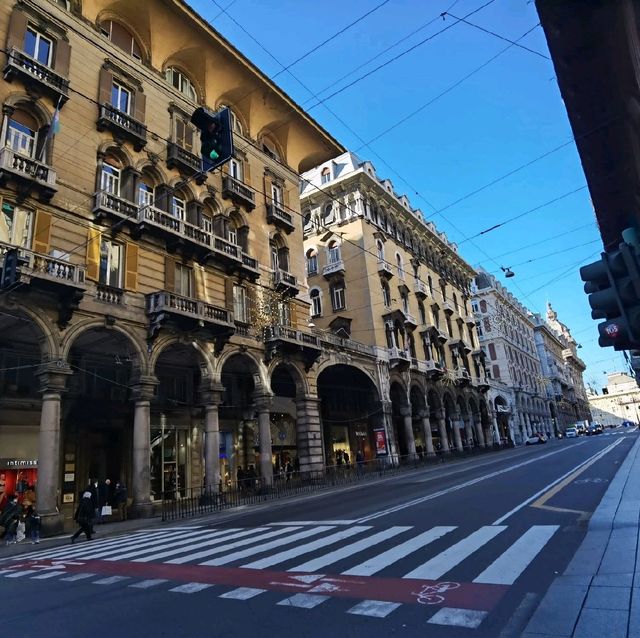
(309, 434)
(426, 429)
(456, 432)
(408, 432)
(53, 380)
(211, 397)
(527, 422)
(442, 427)
(468, 428)
(263, 406)
(143, 390)
(482, 440)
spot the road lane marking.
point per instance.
(374, 608)
(48, 575)
(150, 582)
(20, 574)
(263, 547)
(224, 548)
(469, 618)
(243, 593)
(511, 563)
(190, 588)
(379, 562)
(341, 522)
(110, 580)
(306, 548)
(349, 550)
(526, 502)
(303, 601)
(445, 561)
(455, 488)
(80, 576)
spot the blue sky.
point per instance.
(505, 115)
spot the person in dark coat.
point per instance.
(9, 519)
(84, 517)
(120, 500)
(32, 523)
(105, 497)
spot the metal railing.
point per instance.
(164, 301)
(27, 166)
(250, 488)
(236, 188)
(111, 115)
(23, 62)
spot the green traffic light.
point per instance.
(213, 155)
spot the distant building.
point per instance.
(619, 401)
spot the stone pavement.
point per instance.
(599, 593)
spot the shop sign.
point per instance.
(381, 442)
(12, 464)
(361, 433)
(503, 408)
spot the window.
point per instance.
(232, 235)
(184, 133)
(240, 304)
(38, 46)
(110, 179)
(495, 372)
(120, 98)
(284, 313)
(483, 306)
(312, 262)
(181, 82)
(178, 207)
(325, 175)
(15, 225)
(455, 302)
(380, 250)
(492, 352)
(121, 38)
(430, 283)
(423, 314)
(22, 134)
(269, 148)
(206, 223)
(316, 303)
(405, 303)
(235, 169)
(184, 277)
(145, 194)
(386, 295)
(337, 296)
(110, 264)
(474, 306)
(400, 266)
(333, 256)
(276, 194)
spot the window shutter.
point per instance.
(193, 212)
(42, 232)
(199, 275)
(293, 313)
(17, 30)
(169, 274)
(93, 254)
(131, 267)
(267, 189)
(139, 104)
(285, 197)
(228, 293)
(180, 132)
(246, 172)
(106, 84)
(62, 56)
(188, 137)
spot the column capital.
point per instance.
(143, 388)
(439, 413)
(211, 392)
(307, 398)
(424, 414)
(263, 402)
(405, 410)
(53, 376)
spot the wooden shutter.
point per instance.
(93, 254)
(193, 212)
(199, 275)
(169, 274)
(106, 84)
(42, 232)
(139, 103)
(293, 314)
(267, 189)
(188, 137)
(62, 56)
(246, 172)
(285, 196)
(17, 30)
(228, 293)
(131, 267)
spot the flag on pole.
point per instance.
(54, 128)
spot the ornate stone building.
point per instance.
(150, 315)
(389, 297)
(619, 401)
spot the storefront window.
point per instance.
(169, 462)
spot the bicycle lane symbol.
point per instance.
(434, 594)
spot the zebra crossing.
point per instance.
(379, 569)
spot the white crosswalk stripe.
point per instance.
(375, 608)
(243, 593)
(190, 588)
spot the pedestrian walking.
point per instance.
(84, 517)
(9, 519)
(32, 521)
(105, 498)
(360, 461)
(288, 468)
(120, 500)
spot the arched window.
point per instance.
(181, 82)
(312, 262)
(400, 265)
(279, 254)
(325, 175)
(236, 124)
(23, 134)
(386, 294)
(269, 147)
(423, 314)
(316, 303)
(333, 253)
(430, 283)
(380, 250)
(110, 177)
(328, 214)
(121, 37)
(145, 192)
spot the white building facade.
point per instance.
(619, 401)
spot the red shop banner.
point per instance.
(381, 442)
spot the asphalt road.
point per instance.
(454, 550)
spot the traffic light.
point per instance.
(613, 286)
(10, 264)
(216, 137)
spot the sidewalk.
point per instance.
(599, 592)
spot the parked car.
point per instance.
(580, 428)
(536, 439)
(571, 433)
(594, 429)
(628, 424)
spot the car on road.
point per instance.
(594, 428)
(628, 424)
(580, 428)
(571, 433)
(536, 439)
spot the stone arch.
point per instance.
(130, 19)
(165, 342)
(232, 99)
(48, 339)
(152, 169)
(298, 376)
(462, 406)
(121, 153)
(174, 62)
(257, 364)
(20, 100)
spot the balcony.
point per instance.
(437, 334)
(110, 295)
(37, 78)
(333, 268)
(250, 267)
(410, 321)
(28, 174)
(480, 383)
(64, 281)
(283, 340)
(385, 268)
(239, 193)
(285, 282)
(187, 315)
(448, 308)
(461, 377)
(469, 319)
(329, 339)
(108, 205)
(398, 358)
(278, 216)
(185, 161)
(420, 289)
(123, 127)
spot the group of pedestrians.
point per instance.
(18, 523)
(97, 503)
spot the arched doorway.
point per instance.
(283, 423)
(400, 413)
(452, 421)
(439, 434)
(554, 418)
(502, 417)
(421, 437)
(351, 415)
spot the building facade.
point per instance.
(152, 328)
(391, 294)
(619, 401)
(506, 331)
